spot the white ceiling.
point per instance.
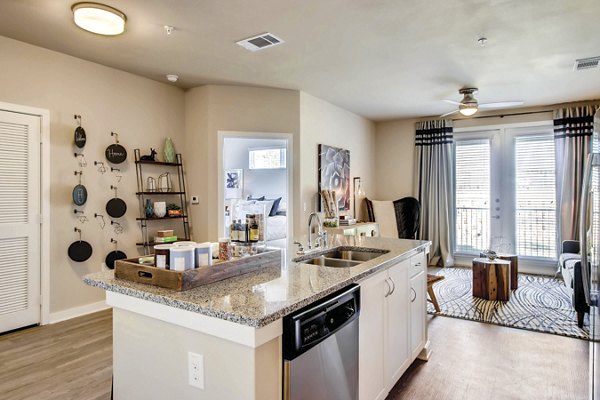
(381, 59)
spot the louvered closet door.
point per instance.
(19, 220)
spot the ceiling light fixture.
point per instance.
(468, 105)
(172, 77)
(99, 18)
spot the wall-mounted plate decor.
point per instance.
(115, 153)
(79, 192)
(80, 250)
(79, 136)
(113, 256)
(116, 207)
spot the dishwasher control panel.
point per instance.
(314, 323)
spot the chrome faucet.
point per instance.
(320, 232)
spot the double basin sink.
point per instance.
(341, 257)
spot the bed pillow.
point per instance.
(268, 206)
(261, 198)
(275, 207)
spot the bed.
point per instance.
(273, 208)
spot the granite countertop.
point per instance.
(259, 298)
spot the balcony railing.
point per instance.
(535, 231)
(472, 229)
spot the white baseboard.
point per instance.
(77, 311)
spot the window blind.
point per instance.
(472, 195)
(535, 190)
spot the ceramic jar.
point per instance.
(169, 151)
(160, 209)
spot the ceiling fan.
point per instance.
(469, 106)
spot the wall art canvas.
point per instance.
(334, 174)
(234, 183)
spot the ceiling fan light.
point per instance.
(99, 18)
(467, 109)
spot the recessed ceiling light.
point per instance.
(99, 18)
(172, 77)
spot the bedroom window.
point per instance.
(271, 158)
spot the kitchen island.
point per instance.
(235, 326)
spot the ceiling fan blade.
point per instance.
(452, 102)
(451, 112)
(501, 104)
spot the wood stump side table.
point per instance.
(514, 269)
(491, 279)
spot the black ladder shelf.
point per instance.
(143, 194)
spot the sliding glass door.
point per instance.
(505, 192)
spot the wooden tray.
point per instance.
(131, 270)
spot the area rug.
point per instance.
(540, 304)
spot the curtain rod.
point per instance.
(503, 115)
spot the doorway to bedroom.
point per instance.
(255, 179)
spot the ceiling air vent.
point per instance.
(586, 63)
(260, 42)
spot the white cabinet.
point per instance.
(392, 328)
(373, 312)
(417, 313)
(397, 336)
(383, 334)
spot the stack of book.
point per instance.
(166, 236)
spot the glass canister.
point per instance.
(203, 254)
(181, 258)
(224, 249)
(161, 255)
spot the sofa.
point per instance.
(570, 267)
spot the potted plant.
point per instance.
(173, 210)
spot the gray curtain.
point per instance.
(434, 177)
(573, 128)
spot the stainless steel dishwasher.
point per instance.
(320, 349)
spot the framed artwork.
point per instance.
(234, 183)
(334, 174)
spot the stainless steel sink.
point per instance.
(341, 257)
(331, 262)
(354, 255)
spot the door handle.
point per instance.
(394, 287)
(415, 295)
(389, 288)
(496, 216)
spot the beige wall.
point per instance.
(394, 159)
(210, 109)
(142, 111)
(324, 123)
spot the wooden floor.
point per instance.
(470, 360)
(67, 360)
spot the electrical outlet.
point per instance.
(196, 370)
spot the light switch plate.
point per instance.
(196, 370)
